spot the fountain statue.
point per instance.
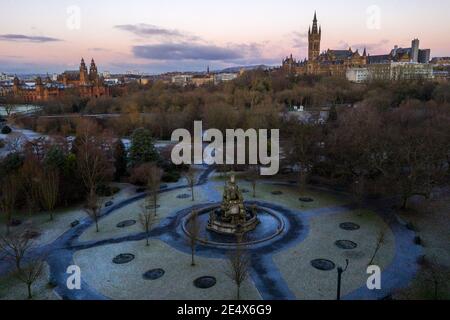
(233, 218)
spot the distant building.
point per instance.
(413, 54)
(442, 61)
(224, 77)
(201, 80)
(357, 75)
(441, 75)
(338, 62)
(329, 62)
(6, 89)
(182, 79)
(144, 81)
(88, 84)
(5, 77)
(392, 71)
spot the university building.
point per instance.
(329, 62)
(86, 84)
(400, 63)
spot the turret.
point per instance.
(83, 73)
(93, 72)
(314, 38)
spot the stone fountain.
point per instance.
(233, 218)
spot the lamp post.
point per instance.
(340, 272)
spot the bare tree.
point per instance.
(30, 273)
(30, 175)
(253, 176)
(49, 189)
(93, 208)
(8, 198)
(193, 229)
(147, 218)
(15, 142)
(239, 264)
(380, 242)
(154, 175)
(190, 178)
(15, 246)
(10, 105)
(92, 155)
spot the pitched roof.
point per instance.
(383, 58)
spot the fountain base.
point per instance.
(220, 224)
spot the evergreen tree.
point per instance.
(142, 147)
(120, 160)
(333, 114)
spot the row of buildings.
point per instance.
(400, 63)
(85, 83)
(199, 80)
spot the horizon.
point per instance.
(155, 38)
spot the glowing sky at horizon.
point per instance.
(157, 36)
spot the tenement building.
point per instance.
(86, 84)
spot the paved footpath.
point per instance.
(264, 272)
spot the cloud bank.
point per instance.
(25, 38)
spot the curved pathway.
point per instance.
(264, 272)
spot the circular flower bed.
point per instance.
(349, 226)
(323, 264)
(346, 244)
(126, 223)
(123, 258)
(205, 282)
(154, 274)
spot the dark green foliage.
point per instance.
(6, 130)
(120, 160)
(142, 148)
(55, 158)
(107, 191)
(11, 163)
(72, 188)
(171, 176)
(333, 114)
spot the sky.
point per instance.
(155, 36)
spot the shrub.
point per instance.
(139, 175)
(171, 176)
(107, 191)
(6, 130)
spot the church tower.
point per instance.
(93, 72)
(314, 37)
(83, 73)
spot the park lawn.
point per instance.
(126, 281)
(290, 196)
(169, 204)
(12, 289)
(430, 220)
(49, 230)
